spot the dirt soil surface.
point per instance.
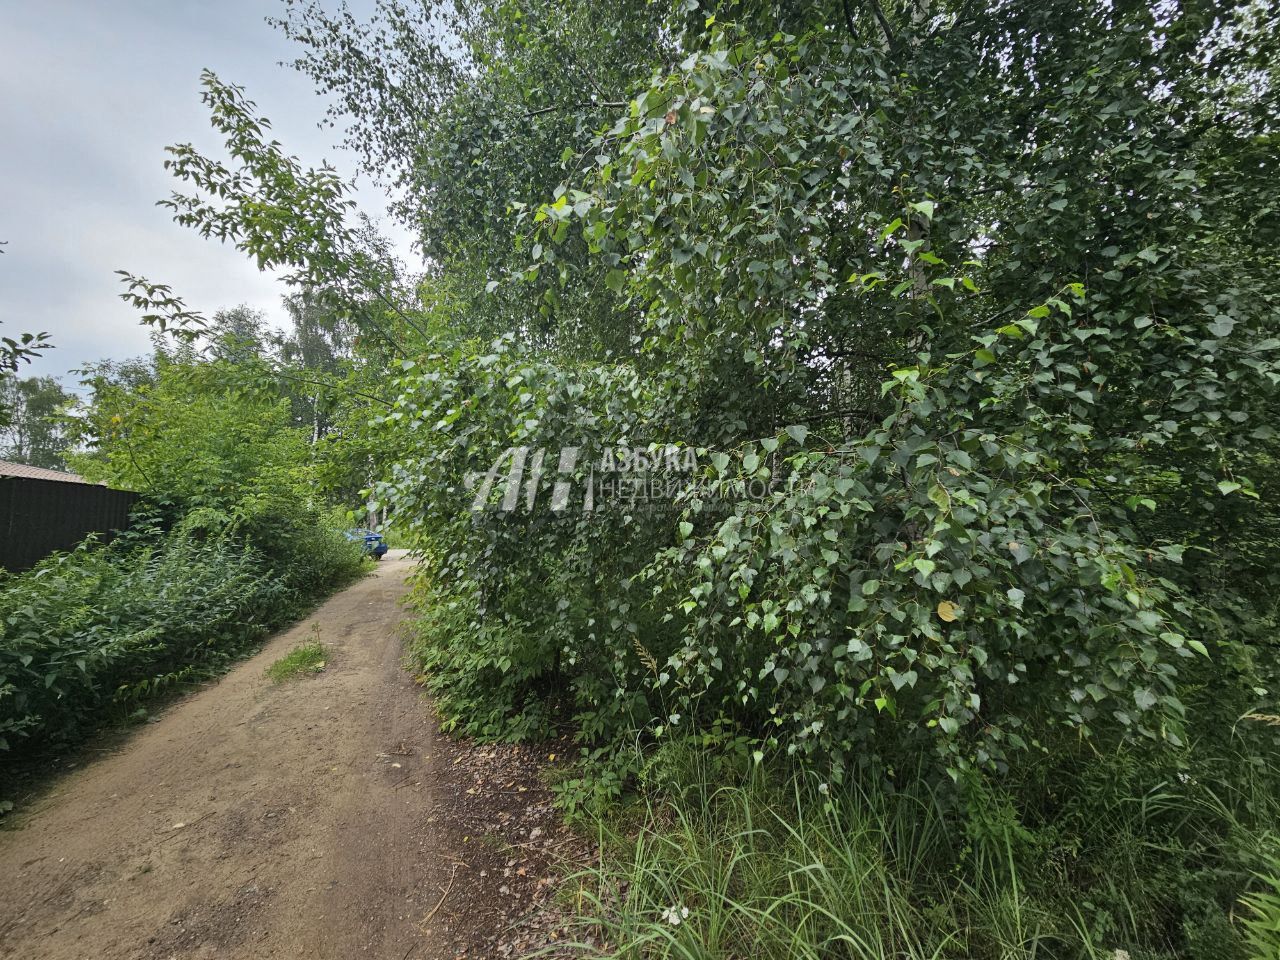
(325, 817)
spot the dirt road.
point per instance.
(251, 820)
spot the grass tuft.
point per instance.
(307, 659)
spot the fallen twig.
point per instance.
(443, 897)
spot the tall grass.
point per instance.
(712, 866)
(1262, 921)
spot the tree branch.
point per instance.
(884, 23)
(322, 383)
(848, 19)
(575, 106)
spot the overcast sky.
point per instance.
(91, 91)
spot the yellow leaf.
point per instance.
(947, 611)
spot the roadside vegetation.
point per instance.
(952, 333)
(98, 633)
(238, 531)
(1098, 858)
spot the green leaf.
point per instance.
(925, 207)
(888, 230)
(798, 432)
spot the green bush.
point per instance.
(93, 633)
(1012, 492)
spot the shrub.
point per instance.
(92, 633)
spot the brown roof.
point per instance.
(10, 469)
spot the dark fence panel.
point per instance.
(38, 517)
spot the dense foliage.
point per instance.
(231, 446)
(963, 315)
(33, 427)
(987, 294)
(1126, 864)
(93, 634)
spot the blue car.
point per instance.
(372, 543)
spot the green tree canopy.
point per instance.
(986, 291)
(33, 425)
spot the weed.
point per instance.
(309, 658)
